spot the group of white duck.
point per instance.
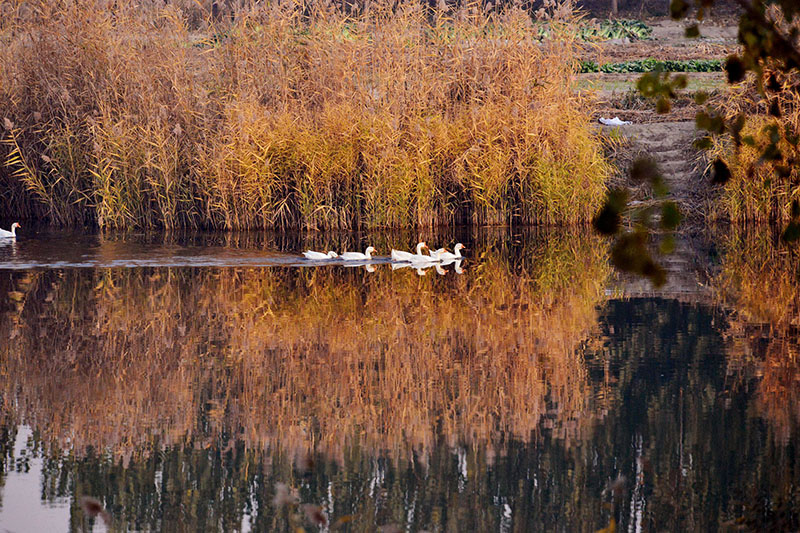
(434, 256)
(442, 255)
(400, 258)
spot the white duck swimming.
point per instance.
(320, 256)
(444, 255)
(358, 256)
(422, 259)
(10, 234)
(401, 256)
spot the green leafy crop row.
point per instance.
(617, 29)
(650, 65)
(633, 30)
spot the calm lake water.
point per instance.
(216, 382)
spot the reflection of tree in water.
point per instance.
(689, 445)
(254, 368)
(761, 282)
(235, 369)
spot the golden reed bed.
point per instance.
(290, 115)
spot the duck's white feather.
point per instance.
(319, 256)
(358, 256)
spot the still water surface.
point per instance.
(200, 383)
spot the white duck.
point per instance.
(422, 259)
(10, 234)
(401, 256)
(320, 256)
(443, 255)
(358, 256)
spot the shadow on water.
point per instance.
(520, 394)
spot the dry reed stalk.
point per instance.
(283, 117)
(756, 192)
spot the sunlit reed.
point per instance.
(763, 182)
(288, 115)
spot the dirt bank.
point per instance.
(667, 137)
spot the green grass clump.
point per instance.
(286, 117)
(650, 65)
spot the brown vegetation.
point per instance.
(278, 116)
(764, 181)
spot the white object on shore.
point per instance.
(319, 256)
(614, 122)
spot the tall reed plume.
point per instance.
(764, 172)
(284, 115)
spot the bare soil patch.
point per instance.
(668, 42)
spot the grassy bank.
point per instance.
(282, 118)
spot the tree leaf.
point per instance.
(735, 69)
(721, 173)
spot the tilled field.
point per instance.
(616, 92)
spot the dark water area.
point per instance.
(205, 383)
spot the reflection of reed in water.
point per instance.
(760, 278)
(760, 281)
(316, 357)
